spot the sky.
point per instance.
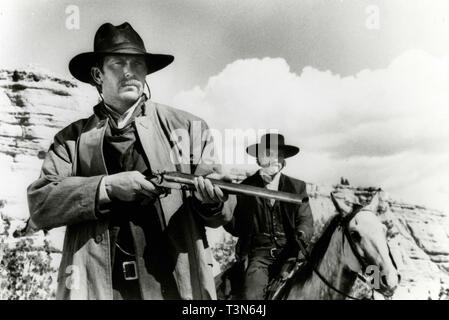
(360, 86)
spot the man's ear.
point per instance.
(95, 72)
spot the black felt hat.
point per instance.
(272, 141)
(110, 40)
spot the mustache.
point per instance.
(131, 82)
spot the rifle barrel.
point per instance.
(235, 188)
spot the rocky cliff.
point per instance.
(34, 105)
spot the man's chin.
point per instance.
(130, 96)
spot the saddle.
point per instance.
(276, 287)
(229, 283)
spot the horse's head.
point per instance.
(365, 246)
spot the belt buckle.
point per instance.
(130, 270)
(272, 252)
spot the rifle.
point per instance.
(184, 181)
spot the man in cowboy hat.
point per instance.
(125, 237)
(267, 229)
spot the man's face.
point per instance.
(271, 162)
(123, 80)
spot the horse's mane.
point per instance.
(318, 251)
(315, 257)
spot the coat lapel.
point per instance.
(258, 182)
(157, 149)
(286, 208)
(91, 161)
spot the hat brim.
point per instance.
(81, 64)
(287, 150)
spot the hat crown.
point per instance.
(272, 139)
(110, 38)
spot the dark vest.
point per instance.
(268, 223)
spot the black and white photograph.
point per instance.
(238, 150)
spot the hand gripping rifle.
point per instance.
(184, 181)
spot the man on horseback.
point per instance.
(267, 229)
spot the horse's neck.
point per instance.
(333, 269)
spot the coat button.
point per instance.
(98, 238)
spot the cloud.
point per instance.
(385, 127)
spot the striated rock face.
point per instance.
(34, 105)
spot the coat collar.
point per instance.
(284, 181)
(285, 184)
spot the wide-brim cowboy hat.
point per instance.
(111, 40)
(272, 141)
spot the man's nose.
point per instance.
(127, 69)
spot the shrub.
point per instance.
(224, 252)
(444, 294)
(25, 271)
(16, 76)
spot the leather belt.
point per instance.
(274, 252)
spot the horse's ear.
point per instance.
(374, 203)
(342, 206)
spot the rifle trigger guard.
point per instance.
(165, 193)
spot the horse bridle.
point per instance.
(344, 224)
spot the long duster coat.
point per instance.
(65, 195)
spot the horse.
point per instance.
(354, 242)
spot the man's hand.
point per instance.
(207, 193)
(129, 186)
